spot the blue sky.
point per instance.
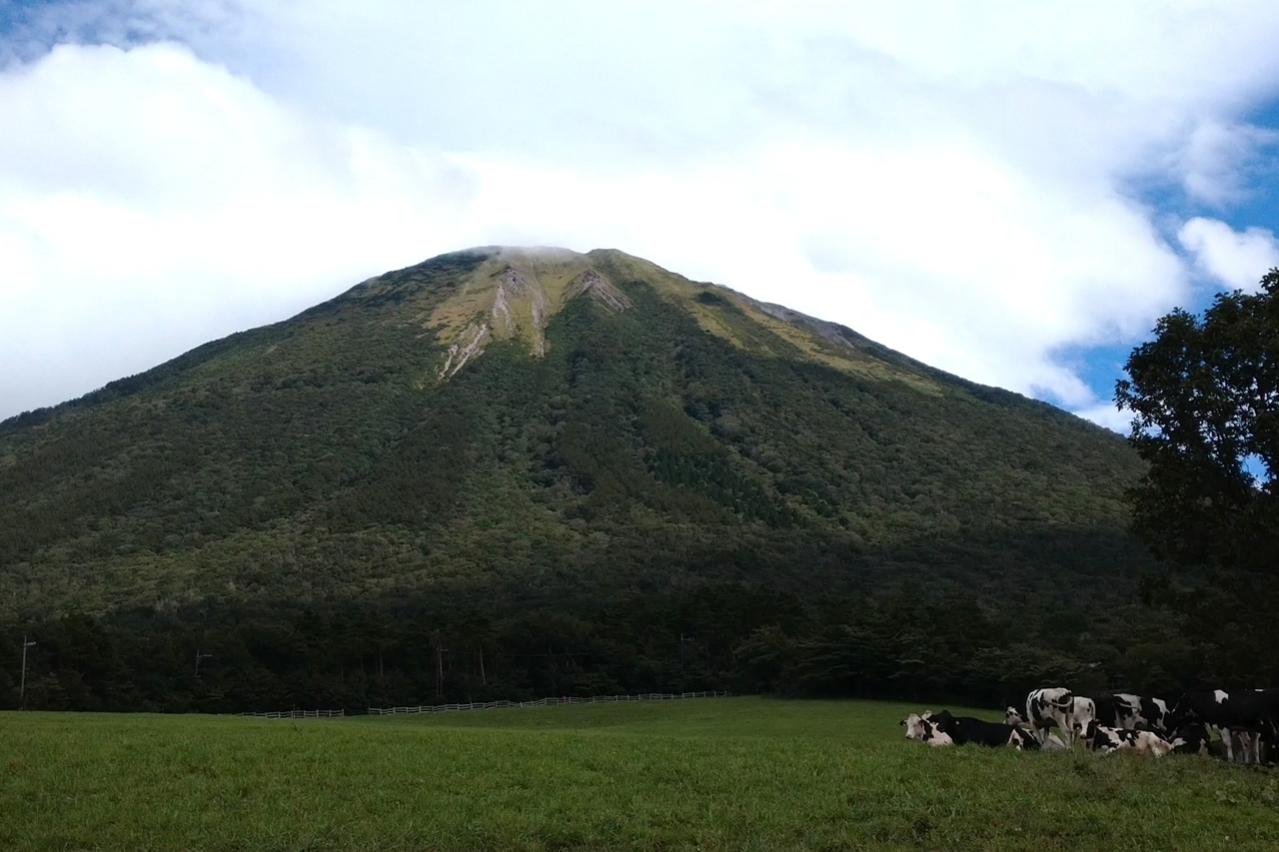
(1010, 191)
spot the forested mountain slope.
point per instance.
(528, 421)
(498, 432)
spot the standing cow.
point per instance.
(1247, 713)
(1132, 712)
(1139, 711)
(1051, 707)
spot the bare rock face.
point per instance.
(470, 344)
(513, 295)
(600, 289)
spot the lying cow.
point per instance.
(1107, 740)
(922, 728)
(967, 729)
(1050, 707)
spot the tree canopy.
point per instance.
(1204, 394)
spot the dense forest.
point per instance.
(635, 482)
(899, 645)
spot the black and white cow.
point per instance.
(1083, 712)
(1106, 740)
(1138, 712)
(1023, 740)
(1247, 713)
(1051, 742)
(1132, 712)
(1105, 711)
(967, 729)
(1191, 738)
(1050, 707)
(922, 728)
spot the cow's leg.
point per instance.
(1229, 741)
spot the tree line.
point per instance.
(728, 637)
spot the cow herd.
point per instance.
(1054, 718)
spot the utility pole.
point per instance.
(198, 658)
(683, 643)
(22, 688)
(439, 667)
(483, 678)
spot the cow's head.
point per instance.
(1012, 716)
(1091, 734)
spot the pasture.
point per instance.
(732, 773)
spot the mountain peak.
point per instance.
(511, 293)
(469, 299)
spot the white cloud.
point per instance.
(952, 182)
(1237, 259)
(1216, 159)
(1106, 414)
(150, 201)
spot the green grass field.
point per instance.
(735, 773)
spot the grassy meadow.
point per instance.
(734, 773)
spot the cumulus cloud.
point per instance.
(150, 201)
(957, 184)
(1237, 259)
(1217, 161)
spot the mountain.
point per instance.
(508, 430)
(511, 417)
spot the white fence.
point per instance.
(545, 702)
(299, 714)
